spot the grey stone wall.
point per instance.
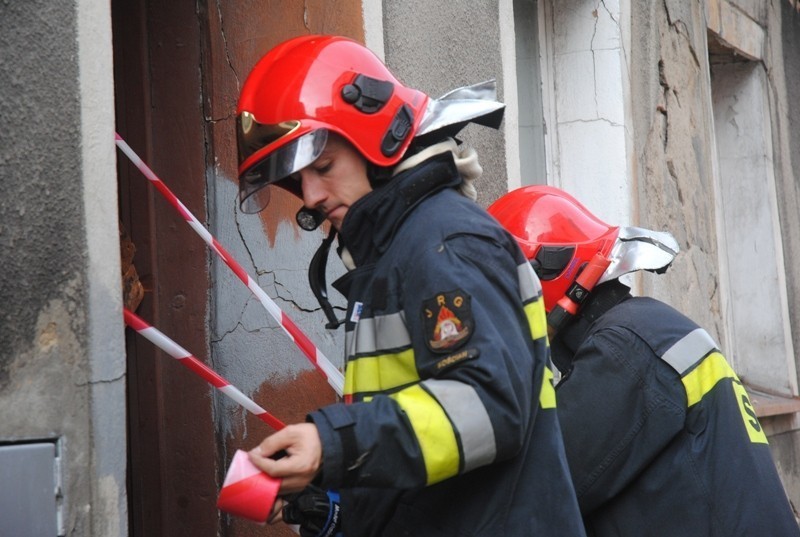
(784, 81)
(783, 18)
(439, 46)
(674, 148)
(675, 168)
(48, 383)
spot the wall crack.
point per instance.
(225, 43)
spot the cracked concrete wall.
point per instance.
(61, 339)
(248, 346)
(673, 129)
(590, 123)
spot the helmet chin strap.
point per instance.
(316, 279)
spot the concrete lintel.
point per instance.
(735, 29)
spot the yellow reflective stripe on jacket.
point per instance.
(537, 319)
(547, 395)
(530, 291)
(706, 375)
(380, 373)
(435, 435)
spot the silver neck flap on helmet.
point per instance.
(640, 249)
(476, 103)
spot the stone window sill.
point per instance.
(778, 413)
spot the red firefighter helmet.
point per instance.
(556, 233)
(305, 88)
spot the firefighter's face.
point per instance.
(336, 180)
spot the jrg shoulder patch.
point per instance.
(448, 321)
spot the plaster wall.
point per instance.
(783, 75)
(749, 205)
(675, 168)
(249, 346)
(437, 47)
(680, 180)
(590, 119)
(61, 357)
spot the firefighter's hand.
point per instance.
(301, 451)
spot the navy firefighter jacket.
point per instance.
(661, 437)
(450, 427)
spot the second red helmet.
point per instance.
(556, 233)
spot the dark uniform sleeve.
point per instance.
(619, 406)
(478, 377)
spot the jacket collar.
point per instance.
(371, 222)
(567, 342)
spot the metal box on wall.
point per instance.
(29, 473)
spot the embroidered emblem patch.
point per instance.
(448, 320)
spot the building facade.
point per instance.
(675, 115)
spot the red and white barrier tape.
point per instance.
(164, 343)
(312, 352)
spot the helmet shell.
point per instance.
(544, 220)
(328, 82)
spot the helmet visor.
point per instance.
(275, 165)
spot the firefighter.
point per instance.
(661, 436)
(448, 423)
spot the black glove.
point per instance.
(316, 511)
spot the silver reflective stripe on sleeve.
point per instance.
(469, 417)
(689, 350)
(529, 285)
(378, 334)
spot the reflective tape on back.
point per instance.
(705, 376)
(689, 350)
(710, 372)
